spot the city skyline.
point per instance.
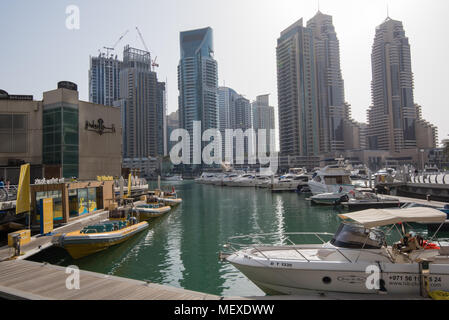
(258, 78)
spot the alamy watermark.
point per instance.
(72, 21)
(207, 147)
(73, 280)
(373, 280)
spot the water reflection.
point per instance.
(181, 249)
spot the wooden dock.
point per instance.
(39, 243)
(27, 280)
(21, 279)
(434, 204)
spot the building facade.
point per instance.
(297, 93)
(329, 84)
(263, 118)
(62, 135)
(139, 104)
(197, 82)
(104, 79)
(392, 116)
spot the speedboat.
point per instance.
(98, 237)
(331, 179)
(357, 259)
(150, 210)
(169, 198)
(367, 200)
(334, 198)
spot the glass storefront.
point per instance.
(60, 138)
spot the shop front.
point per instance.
(71, 200)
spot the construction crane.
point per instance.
(115, 44)
(153, 62)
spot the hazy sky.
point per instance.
(37, 50)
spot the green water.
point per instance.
(181, 249)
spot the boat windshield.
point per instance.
(357, 237)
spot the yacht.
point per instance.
(331, 179)
(357, 259)
(244, 180)
(290, 182)
(173, 178)
(385, 175)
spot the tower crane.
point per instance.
(153, 62)
(115, 44)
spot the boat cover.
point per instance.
(381, 217)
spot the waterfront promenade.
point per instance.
(21, 279)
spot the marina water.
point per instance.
(181, 249)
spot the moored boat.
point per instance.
(150, 210)
(357, 259)
(169, 198)
(98, 237)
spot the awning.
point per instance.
(381, 217)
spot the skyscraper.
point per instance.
(197, 81)
(138, 100)
(392, 116)
(263, 118)
(297, 93)
(330, 84)
(234, 113)
(104, 79)
(161, 112)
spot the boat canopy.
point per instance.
(381, 217)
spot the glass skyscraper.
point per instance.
(197, 82)
(104, 79)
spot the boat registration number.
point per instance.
(281, 264)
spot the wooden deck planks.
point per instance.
(32, 280)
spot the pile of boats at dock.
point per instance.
(123, 223)
(335, 184)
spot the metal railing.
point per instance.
(259, 247)
(8, 193)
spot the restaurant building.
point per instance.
(60, 136)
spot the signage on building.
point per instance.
(99, 127)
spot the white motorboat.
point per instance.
(368, 200)
(357, 259)
(331, 179)
(335, 198)
(173, 178)
(385, 175)
(246, 180)
(290, 182)
(239, 180)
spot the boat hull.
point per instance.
(148, 213)
(282, 277)
(79, 245)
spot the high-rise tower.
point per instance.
(138, 100)
(297, 93)
(392, 116)
(329, 84)
(197, 81)
(104, 79)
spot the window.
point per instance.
(358, 237)
(13, 133)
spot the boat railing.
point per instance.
(234, 245)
